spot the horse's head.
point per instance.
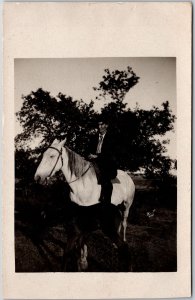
(51, 162)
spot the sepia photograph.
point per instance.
(95, 165)
(97, 150)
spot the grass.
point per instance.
(41, 235)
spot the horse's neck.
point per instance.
(65, 169)
(80, 176)
(68, 173)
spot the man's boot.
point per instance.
(106, 192)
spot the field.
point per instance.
(41, 218)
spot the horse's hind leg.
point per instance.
(124, 222)
(124, 208)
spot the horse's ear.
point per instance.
(62, 143)
(55, 142)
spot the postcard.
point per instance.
(97, 150)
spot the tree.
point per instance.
(46, 117)
(25, 166)
(116, 84)
(139, 129)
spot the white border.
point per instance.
(100, 30)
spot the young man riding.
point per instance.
(103, 153)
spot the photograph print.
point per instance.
(95, 165)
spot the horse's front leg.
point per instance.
(69, 263)
(119, 228)
(73, 236)
(82, 261)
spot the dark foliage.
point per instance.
(45, 117)
(117, 83)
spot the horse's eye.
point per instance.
(51, 156)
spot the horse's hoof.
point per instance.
(82, 266)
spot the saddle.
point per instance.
(115, 180)
(99, 175)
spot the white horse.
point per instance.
(81, 177)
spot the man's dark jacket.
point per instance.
(107, 159)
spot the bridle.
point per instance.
(60, 156)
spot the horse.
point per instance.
(80, 175)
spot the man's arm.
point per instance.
(92, 146)
(92, 156)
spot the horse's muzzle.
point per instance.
(41, 180)
(37, 178)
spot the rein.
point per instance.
(81, 175)
(60, 155)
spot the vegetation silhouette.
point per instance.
(46, 117)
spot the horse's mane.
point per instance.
(77, 164)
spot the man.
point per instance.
(103, 152)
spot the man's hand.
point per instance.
(92, 156)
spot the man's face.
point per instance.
(102, 127)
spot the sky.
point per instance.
(76, 77)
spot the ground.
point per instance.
(41, 237)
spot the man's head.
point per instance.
(102, 125)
